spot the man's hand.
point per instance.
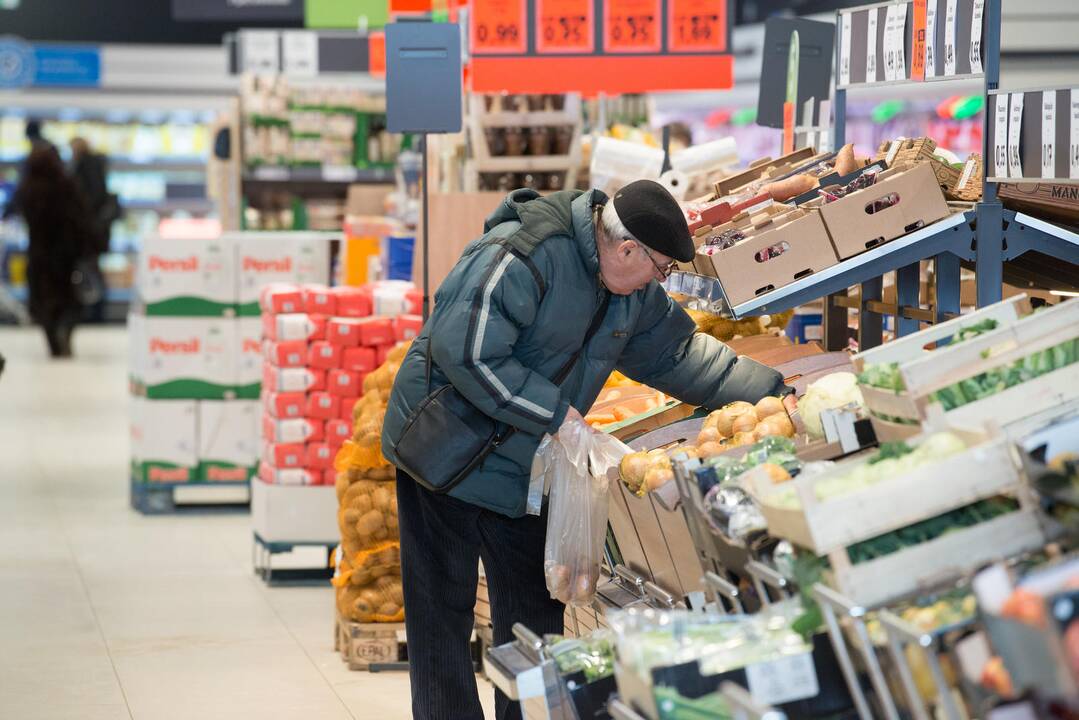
(790, 402)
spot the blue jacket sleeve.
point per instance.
(665, 352)
(472, 344)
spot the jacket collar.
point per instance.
(583, 229)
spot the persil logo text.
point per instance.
(252, 346)
(220, 474)
(159, 474)
(279, 265)
(178, 347)
(189, 264)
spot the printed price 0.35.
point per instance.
(565, 28)
(502, 33)
(635, 28)
(696, 28)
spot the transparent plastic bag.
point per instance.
(574, 464)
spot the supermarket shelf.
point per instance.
(526, 163)
(528, 119)
(1051, 239)
(326, 175)
(126, 163)
(951, 234)
(112, 295)
(189, 205)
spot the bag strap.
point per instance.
(563, 372)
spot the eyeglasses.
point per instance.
(664, 270)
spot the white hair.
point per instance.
(613, 228)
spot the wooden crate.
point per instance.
(1019, 334)
(364, 644)
(1052, 201)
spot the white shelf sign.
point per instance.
(1049, 134)
(889, 44)
(968, 171)
(300, 53)
(844, 49)
(1015, 132)
(899, 42)
(1000, 136)
(785, 680)
(261, 51)
(871, 47)
(976, 37)
(931, 39)
(949, 38)
(1073, 146)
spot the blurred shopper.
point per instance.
(58, 221)
(90, 170)
(37, 140)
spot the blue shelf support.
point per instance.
(908, 280)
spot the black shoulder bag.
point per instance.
(446, 437)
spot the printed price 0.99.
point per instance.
(634, 28)
(502, 33)
(696, 28)
(565, 28)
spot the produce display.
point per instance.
(621, 403)
(592, 655)
(829, 393)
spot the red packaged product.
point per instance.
(292, 430)
(319, 456)
(300, 379)
(376, 331)
(344, 331)
(281, 298)
(286, 353)
(382, 352)
(319, 299)
(285, 476)
(325, 355)
(347, 405)
(407, 327)
(329, 477)
(415, 302)
(353, 302)
(359, 359)
(288, 326)
(323, 405)
(344, 383)
(285, 405)
(284, 455)
(337, 431)
(320, 322)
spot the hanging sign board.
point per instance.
(600, 46)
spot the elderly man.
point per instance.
(548, 276)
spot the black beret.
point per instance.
(654, 217)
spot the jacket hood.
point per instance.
(570, 210)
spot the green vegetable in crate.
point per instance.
(594, 655)
(882, 375)
(831, 391)
(672, 705)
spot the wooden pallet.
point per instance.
(363, 645)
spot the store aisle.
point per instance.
(105, 614)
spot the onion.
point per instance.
(708, 435)
(745, 422)
(768, 406)
(744, 438)
(709, 449)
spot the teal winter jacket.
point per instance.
(504, 322)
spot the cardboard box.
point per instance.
(1051, 201)
(293, 379)
(324, 355)
(319, 456)
(344, 331)
(165, 440)
(285, 455)
(287, 513)
(323, 405)
(367, 199)
(284, 476)
(702, 263)
(281, 298)
(187, 277)
(359, 359)
(290, 326)
(249, 358)
(353, 301)
(291, 430)
(285, 405)
(264, 258)
(287, 354)
(752, 267)
(337, 431)
(344, 383)
(855, 227)
(319, 300)
(228, 440)
(407, 327)
(136, 346)
(188, 358)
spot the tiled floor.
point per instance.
(106, 614)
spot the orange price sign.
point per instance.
(698, 26)
(499, 27)
(565, 26)
(631, 26)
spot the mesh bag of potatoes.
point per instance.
(364, 450)
(368, 588)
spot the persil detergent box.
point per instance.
(249, 358)
(187, 277)
(164, 438)
(263, 258)
(228, 440)
(188, 358)
(136, 330)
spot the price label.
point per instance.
(697, 26)
(844, 49)
(976, 37)
(893, 150)
(299, 57)
(631, 26)
(889, 44)
(781, 681)
(899, 42)
(498, 27)
(917, 50)
(871, 47)
(1049, 134)
(1073, 145)
(949, 38)
(565, 26)
(1015, 132)
(931, 39)
(261, 51)
(968, 172)
(1000, 136)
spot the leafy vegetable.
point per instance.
(593, 655)
(831, 391)
(972, 331)
(882, 375)
(890, 450)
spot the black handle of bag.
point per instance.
(559, 377)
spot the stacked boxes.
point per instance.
(318, 345)
(196, 353)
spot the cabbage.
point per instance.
(940, 445)
(830, 392)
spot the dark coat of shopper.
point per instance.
(502, 325)
(58, 221)
(90, 172)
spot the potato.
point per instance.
(767, 406)
(632, 469)
(782, 190)
(744, 438)
(707, 435)
(558, 579)
(584, 587)
(744, 422)
(389, 609)
(779, 424)
(370, 524)
(728, 414)
(776, 473)
(709, 449)
(844, 160)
